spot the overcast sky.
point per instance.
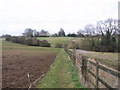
(51, 15)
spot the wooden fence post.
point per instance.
(74, 56)
(97, 74)
(84, 67)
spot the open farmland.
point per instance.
(56, 40)
(22, 64)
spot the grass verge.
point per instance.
(62, 74)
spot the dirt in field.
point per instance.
(21, 67)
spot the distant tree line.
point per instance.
(61, 33)
(101, 37)
(34, 33)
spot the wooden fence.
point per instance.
(85, 70)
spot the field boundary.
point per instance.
(85, 71)
(37, 80)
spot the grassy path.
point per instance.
(61, 75)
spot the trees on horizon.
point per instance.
(102, 36)
(61, 33)
(28, 32)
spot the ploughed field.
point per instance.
(22, 65)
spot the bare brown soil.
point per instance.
(22, 67)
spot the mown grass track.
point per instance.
(62, 74)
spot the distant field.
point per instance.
(108, 58)
(56, 40)
(20, 60)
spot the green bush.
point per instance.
(58, 45)
(44, 43)
(21, 39)
(28, 41)
(7, 37)
(14, 39)
(95, 44)
(35, 42)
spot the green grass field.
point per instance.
(110, 59)
(61, 75)
(107, 58)
(6, 45)
(56, 40)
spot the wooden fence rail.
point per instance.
(98, 66)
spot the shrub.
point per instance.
(28, 41)
(7, 37)
(14, 39)
(58, 45)
(44, 43)
(35, 42)
(21, 39)
(31, 41)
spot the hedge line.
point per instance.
(28, 41)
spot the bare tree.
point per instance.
(108, 29)
(44, 33)
(61, 32)
(109, 26)
(90, 32)
(118, 31)
(80, 33)
(28, 32)
(36, 33)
